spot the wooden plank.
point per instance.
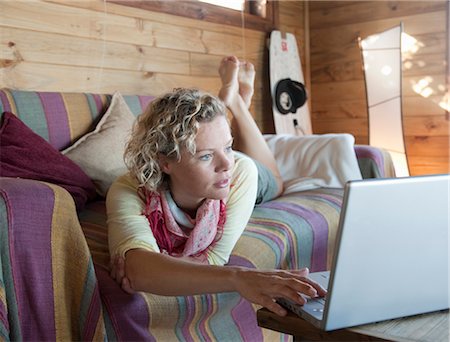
(348, 66)
(425, 64)
(47, 77)
(349, 109)
(82, 22)
(433, 42)
(355, 89)
(347, 69)
(346, 90)
(207, 65)
(412, 106)
(178, 37)
(222, 44)
(291, 13)
(357, 126)
(52, 48)
(328, 5)
(422, 106)
(424, 165)
(203, 64)
(426, 23)
(429, 43)
(55, 18)
(413, 85)
(156, 17)
(371, 11)
(203, 12)
(426, 126)
(432, 146)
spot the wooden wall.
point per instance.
(96, 46)
(338, 91)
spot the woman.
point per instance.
(174, 219)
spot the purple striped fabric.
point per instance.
(203, 320)
(319, 228)
(30, 239)
(53, 103)
(68, 116)
(98, 102)
(4, 317)
(92, 316)
(128, 313)
(5, 102)
(244, 316)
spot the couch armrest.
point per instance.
(374, 162)
(48, 288)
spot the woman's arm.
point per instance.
(165, 275)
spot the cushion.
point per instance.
(314, 161)
(25, 154)
(100, 152)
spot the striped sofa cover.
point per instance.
(54, 280)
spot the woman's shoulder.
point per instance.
(243, 163)
(245, 172)
(126, 182)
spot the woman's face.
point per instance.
(207, 173)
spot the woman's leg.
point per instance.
(236, 92)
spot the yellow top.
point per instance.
(128, 228)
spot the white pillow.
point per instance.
(313, 161)
(100, 152)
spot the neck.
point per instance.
(185, 205)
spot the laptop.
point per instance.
(392, 254)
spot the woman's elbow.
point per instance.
(138, 269)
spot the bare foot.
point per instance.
(246, 79)
(228, 71)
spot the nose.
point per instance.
(224, 162)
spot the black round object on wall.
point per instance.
(289, 96)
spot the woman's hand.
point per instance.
(264, 287)
(117, 272)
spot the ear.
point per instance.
(164, 164)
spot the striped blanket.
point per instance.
(54, 279)
(293, 231)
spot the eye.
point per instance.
(229, 149)
(205, 157)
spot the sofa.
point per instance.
(54, 280)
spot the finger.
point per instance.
(302, 272)
(290, 288)
(273, 306)
(120, 268)
(302, 275)
(126, 286)
(111, 262)
(113, 267)
(319, 289)
(293, 295)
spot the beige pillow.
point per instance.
(100, 152)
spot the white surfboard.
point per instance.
(286, 71)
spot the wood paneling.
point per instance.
(338, 89)
(98, 46)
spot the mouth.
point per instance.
(224, 183)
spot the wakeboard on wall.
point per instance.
(289, 97)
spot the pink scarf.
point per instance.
(171, 239)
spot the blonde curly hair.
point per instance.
(169, 124)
